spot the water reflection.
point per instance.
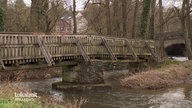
(120, 97)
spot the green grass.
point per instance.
(8, 99)
(166, 63)
(4, 103)
(16, 104)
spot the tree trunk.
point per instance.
(108, 17)
(124, 16)
(135, 19)
(185, 20)
(34, 16)
(1, 20)
(188, 20)
(144, 18)
(37, 15)
(161, 30)
(74, 17)
(187, 41)
(116, 22)
(3, 6)
(152, 20)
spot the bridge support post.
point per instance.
(91, 73)
(82, 76)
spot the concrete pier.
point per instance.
(82, 76)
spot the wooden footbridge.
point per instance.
(25, 50)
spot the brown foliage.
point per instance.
(159, 78)
(20, 75)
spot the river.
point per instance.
(119, 97)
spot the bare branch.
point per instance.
(86, 4)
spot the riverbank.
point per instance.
(16, 97)
(168, 74)
(26, 74)
(12, 96)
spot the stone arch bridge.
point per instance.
(174, 44)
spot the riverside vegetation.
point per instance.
(8, 98)
(167, 74)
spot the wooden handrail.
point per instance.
(26, 49)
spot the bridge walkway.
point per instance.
(24, 50)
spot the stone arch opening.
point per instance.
(176, 50)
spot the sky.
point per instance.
(79, 3)
(27, 2)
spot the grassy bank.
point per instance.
(9, 98)
(169, 73)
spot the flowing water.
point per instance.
(118, 97)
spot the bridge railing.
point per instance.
(23, 49)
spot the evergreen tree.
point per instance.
(3, 6)
(38, 12)
(145, 18)
(1, 20)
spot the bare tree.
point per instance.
(161, 30)
(184, 16)
(44, 15)
(124, 16)
(53, 14)
(152, 20)
(135, 19)
(185, 20)
(96, 21)
(74, 17)
(116, 22)
(108, 17)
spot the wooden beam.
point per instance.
(82, 50)
(45, 51)
(155, 56)
(131, 48)
(110, 51)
